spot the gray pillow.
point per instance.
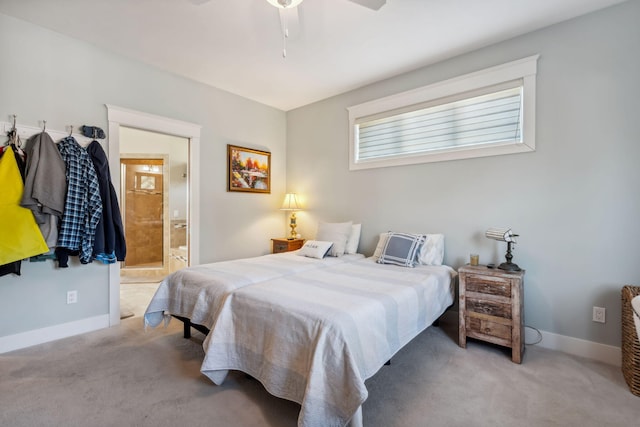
(401, 249)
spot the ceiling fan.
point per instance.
(289, 14)
(288, 10)
(282, 4)
(371, 4)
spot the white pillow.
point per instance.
(382, 240)
(315, 249)
(337, 232)
(353, 240)
(432, 251)
(401, 249)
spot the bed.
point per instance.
(312, 328)
(314, 337)
(195, 294)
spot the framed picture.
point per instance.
(248, 170)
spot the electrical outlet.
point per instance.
(599, 314)
(72, 297)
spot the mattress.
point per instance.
(198, 292)
(314, 337)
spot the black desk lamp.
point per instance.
(504, 235)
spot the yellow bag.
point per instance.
(20, 236)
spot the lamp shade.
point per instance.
(291, 203)
(282, 4)
(504, 235)
(501, 234)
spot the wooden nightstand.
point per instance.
(491, 307)
(286, 245)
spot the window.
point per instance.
(490, 112)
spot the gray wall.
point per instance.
(45, 75)
(574, 201)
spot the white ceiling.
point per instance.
(337, 45)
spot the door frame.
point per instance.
(118, 116)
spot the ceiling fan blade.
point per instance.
(371, 4)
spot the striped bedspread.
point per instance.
(316, 336)
(198, 292)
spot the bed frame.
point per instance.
(187, 325)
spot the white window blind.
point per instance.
(491, 118)
(456, 119)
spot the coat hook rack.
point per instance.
(70, 130)
(44, 126)
(12, 133)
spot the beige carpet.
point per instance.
(124, 376)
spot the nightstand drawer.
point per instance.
(488, 285)
(487, 327)
(286, 245)
(489, 307)
(280, 247)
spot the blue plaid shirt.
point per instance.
(83, 206)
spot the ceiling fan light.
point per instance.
(283, 4)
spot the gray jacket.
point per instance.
(45, 184)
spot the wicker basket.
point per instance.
(630, 343)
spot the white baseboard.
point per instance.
(608, 354)
(52, 333)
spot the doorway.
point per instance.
(124, 119)
(153, 181)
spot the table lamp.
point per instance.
(292, 204)
(504, 235)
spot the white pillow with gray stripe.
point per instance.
(401, 249)
(431, 252)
